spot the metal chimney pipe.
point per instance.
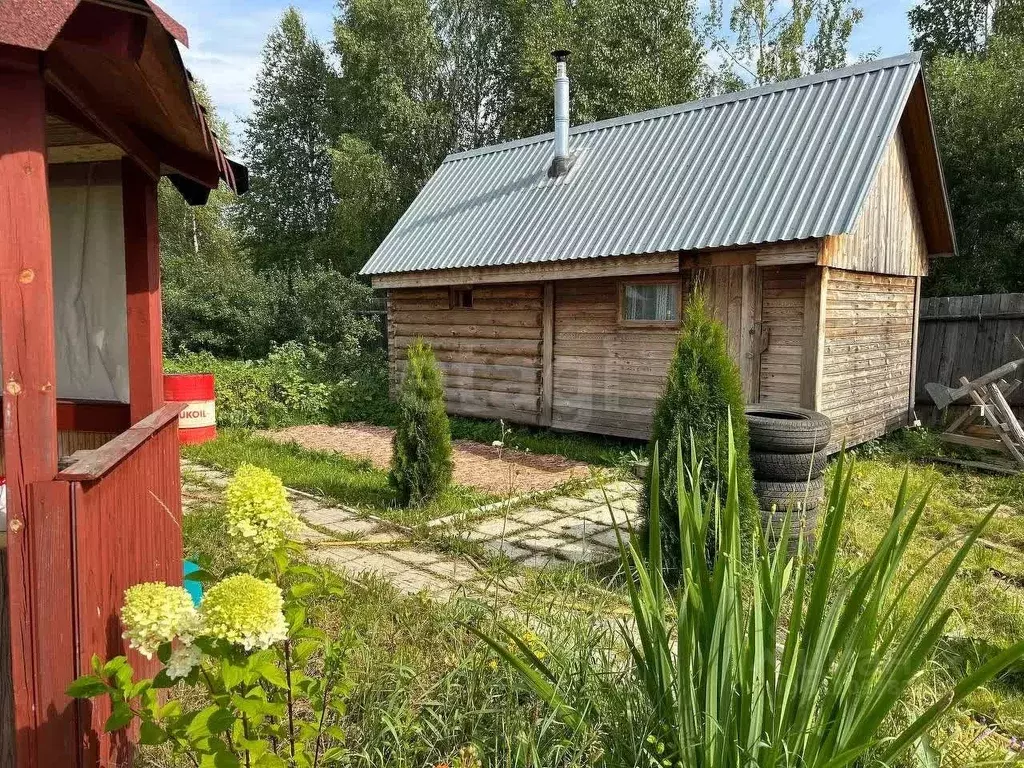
(561, 162)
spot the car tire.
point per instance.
(787, 429)
(780, 494)
(788, 466)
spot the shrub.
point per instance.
(702, 395)
(243, 655)
(421, 462)
(286, 387)
(767, 660)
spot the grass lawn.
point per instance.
(433, 684)
(987, 597)
(350, 482)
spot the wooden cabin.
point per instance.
(552, 290)
(97, 107)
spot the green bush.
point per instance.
(702, 395)
(283, 388)
(765, 659)
(421, 462)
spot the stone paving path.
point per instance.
(563, 529)
(555, 531)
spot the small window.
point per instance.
(650, 302)
(461, 298)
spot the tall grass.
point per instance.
(765, 660)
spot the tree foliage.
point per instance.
(766, 40)
(977, 103)
(287, 210)
(421, 462)
(703, 394)
(951, 27)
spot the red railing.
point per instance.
(125, 523)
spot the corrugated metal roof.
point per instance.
(787, 161)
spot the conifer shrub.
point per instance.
(421, 461)
(703, 392)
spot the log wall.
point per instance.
(868, 354)
(490, 355)
(607, 377)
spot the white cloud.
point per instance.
(226, 41)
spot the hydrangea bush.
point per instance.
(258, 515)
(274, 686)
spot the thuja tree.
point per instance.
(703, 394)
(421, 461)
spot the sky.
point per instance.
(226, 37)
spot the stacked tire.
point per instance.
(788, 456)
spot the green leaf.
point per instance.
(162, 680)
(119, 717)
(207, 722)
(151, 733)
(270, 761)
(87, 687)
(302, 589)
(164, 652)
(273, 674)
(231, 674)
(201, 576)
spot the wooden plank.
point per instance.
(548, 356)
(1013, 426)
(29, 370)
(52, 554)
(659, 263)
(815, 306)
(1007, 441)
(142, 280)
(102, 460)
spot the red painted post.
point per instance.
(29, 381)
(142, 276)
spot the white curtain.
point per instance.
(90, 311)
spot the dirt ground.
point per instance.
(491, 469)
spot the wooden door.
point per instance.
(734, 299)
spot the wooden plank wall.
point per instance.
(490, 355)
(734, 299)
(782, 315)
(967, 336)
(607, 377)
(869, 332)
(127, 530)
(888, 238)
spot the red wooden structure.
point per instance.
(103, 84)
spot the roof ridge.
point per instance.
(872, 65)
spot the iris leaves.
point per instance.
(765, 660)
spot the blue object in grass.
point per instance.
(195, 588)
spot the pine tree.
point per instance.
(421, 461)
(704, 391)
(286, 142)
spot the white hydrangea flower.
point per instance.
(154, 613)
(245, 611)
(183, 660)
(258, 514)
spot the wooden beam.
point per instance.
(813, 361)
(116, 33)
(649, 264)
(29, 375)
(142, 279)
(84, 153)
(911, 413)
(73, 98)
(547, 377)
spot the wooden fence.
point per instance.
(967, 336)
